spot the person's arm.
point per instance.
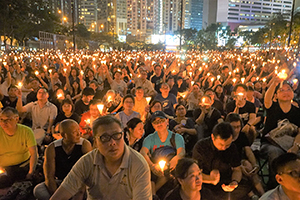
(61, 194)
(201, 117)
(270, 92)
(19, 105)
(236, 174)
(42, 81)
(49, 169)
(131, 70)
(32, 161)
(250, 156)
(141, 189)
(180, 154)
(153, 167)
(51, 119)
(108, 76)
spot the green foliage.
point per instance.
(23, 19)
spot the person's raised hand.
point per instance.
(214, 176)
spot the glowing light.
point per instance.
(234, 80)
(109, 98)
(162, 164)
(65, 70)
(59, 95)
(295, 64)
(282, 75)
(243, 79)
(148, 99)
(295, 81)
(218, 77)
(192, 82)
(208, 74)
(20, 84)
(241, 94)
(212, 79)
(50, 70)
(2, 171)
(36, 73)
(88, 121)
(100, 108)
(264, 79)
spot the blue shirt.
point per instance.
(167, 103)
(153, 142)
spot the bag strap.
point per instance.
(172, 140)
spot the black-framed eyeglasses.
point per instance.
(106, 137)
(293, 173)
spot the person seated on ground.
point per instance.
(127, 114)
(82, 105)
(185, 127)
(111, 171)
(113, 101)
(277, 111)
(133, 133)
(153, 107)
(167, 99)
(140, 102)
(12, 98)
(98, 88)
(161, 138)
(215, 102)
(18, 149)
(88, 118)
(42, 111)
(35, 86)
(188, 175)
(221, 164)
(67, 108)
(287, 169)
(206, 117)
(249, 165)
(60, 156)
(142, 81)
(157, 78)
(245, 109)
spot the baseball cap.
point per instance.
(159, 114)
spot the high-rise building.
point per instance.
(137, 15)
(64, 9)
(112, 16)
(87, 10)
(196, 10)
(235, 12)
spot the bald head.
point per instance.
(69, 130)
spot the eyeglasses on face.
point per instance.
(293, 173)
(7, 120)
(106, 137)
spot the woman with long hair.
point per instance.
(133, 133)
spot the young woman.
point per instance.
(133, 133)
(67, 108)
(127, 114)
(189, 177)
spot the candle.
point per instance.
(212, 79)
(50, 70)
(109, 98)
(190, 73)
(192, 82)
(65, 70)
(229, 73)
(36, 73)
(148, 99)
(81, 72)
(243, 79)
(282, 75)
(2, 171)
(264, 79)
(59, 95)
(162, 164)
(208, 74)
(4, 63)
(100, 108)
(183, 96)
(218, 77)
(20, 84)
(45, 67)
(294, 64)
(295, 81)
(234, 80)
(88, 121)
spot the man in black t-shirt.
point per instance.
(206, 117)
(82, 105)
(219, 159)
(157, 79)
(11, 99)
(277, 111)
(245, 109)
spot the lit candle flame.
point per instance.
(295, 81)
(65, 70)
(2, 171)
(162, 164)
(282, 75)
(100, 108)
(192, 82)
(148, 99)
(208, 74)
(218, 77)
(36, 73)
(59, 95)
(88, 121)
(295, 64)
(234, 80)
(243, 79)
(81, 72)
(109, 98)
(264, 79)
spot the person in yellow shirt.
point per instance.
(18, 149)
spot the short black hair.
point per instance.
(283, 83)
(180, 104)
(104, 121)
(233, 117)
(224, 130)
(88, 91)
(11, 87)
(281, 161)
(240, 85)
(9, 109)
(209, 90)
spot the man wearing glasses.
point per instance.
(18, 150)
(111, 171)
(287, 169)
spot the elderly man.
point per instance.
(42, 111)
(111, 171)
(18, 150)
(287, 169)
(60, 156)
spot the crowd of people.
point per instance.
(126, 124)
